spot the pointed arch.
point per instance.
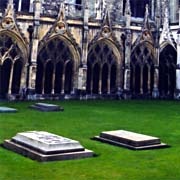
(142, 69)
(65, 58)
(105, 53)
(12, 47)
(167, 71)
(5, 77)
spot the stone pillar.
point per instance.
(63, 81)
(152, 9)
(118, 9)
(11, 79)
(141, 80)
(155, 93)
(109, 82)
(31, 6)
(19, 5)
(92, 72)
(100, 5)
(177, 92)
(34, 42)
(100, 81)
(82, 78)
(53, 78)
(174, 4)
(127, 69)
(127, 52)
(149, 80)
(43, 78)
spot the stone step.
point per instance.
(130, 140)
(44, 146)
(46, 107)
(7, 110)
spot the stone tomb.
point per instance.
(7, 110)
(43, 146)
(130, 140)
(46, 107)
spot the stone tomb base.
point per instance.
(43, 146)
(7, 110)
(46, 107)
(130, 140)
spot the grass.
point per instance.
(82, 120)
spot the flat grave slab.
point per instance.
(7, 110)
(46, 107)
(43, 146)
(130, 140)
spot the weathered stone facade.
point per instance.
(80, 49)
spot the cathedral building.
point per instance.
(98, 49)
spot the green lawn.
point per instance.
(82, 120)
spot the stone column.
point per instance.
(109, 82)
(43, 78)
(127, 52)
(177, 91)
(19, 5)
(152, 9)
(127, 69)
(31, 6)
(63, 80)
(149, 79)
(11, 79)
(155, 92)
(82, 78)
(118, 9)
(100, 81)
(91, 85)
(173, 10)
(100, 5)
(141, 79)
(134, 79)
(53, 78)
(34, 42)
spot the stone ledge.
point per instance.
(7, 110)
(130, 140)
(156, 146)
(45, 107)
(34, 155)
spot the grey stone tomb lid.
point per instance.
(7, 110)
(46, 142)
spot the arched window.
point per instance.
(25, 5)
(55, 68)
(11, 66)
(78, 4)
(138, 7)
(3, 4)
(167, 72)
(102, 70)
(142, 71)
(16, 4)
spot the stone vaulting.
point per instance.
(116, 49)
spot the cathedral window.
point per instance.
(78, 4)
(3, 4)
(138, 7)
(16, 4)
(25, 5)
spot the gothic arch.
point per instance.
(13, 57)
(167, 71)
(104, 65)
(57, 70)
(142, 69)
